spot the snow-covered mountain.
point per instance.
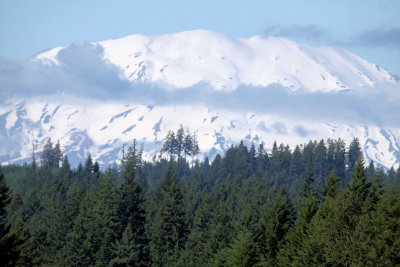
(199, 79)
(184, 59)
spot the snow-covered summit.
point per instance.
(79, 94)
(186, 58)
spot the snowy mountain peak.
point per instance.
(97, 97)
(200, 56)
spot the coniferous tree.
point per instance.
(168, 228)
(293, 252)
(8, 243)
(332, 186)
(244, 250)
(170, 144)
(354, 153)
(340, 158)
(320, 162)
(132, 206)
(187, 144)
(126, 253)
(309, 183)
(262, 160)
(195, 146)
(387, 221)
(296, 163)
(180, 138)
(275, 225)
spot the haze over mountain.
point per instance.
(96, 97)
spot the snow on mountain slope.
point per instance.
(103, 128)
(184, 59)
(86, 119)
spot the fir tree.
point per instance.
(180, 138)
(8, 243)
(332, 186)
(132, 206)
(126, 252)
(276, 224)
(244, 251)
(168, 229)
(354, 153)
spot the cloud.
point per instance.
(304, 33)
(81, 71)
(389, 37)
(83, 75)
(378, 37)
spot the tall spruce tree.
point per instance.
(8, 243)
(168, 229)
(354, 154)
(275, 225)
(131, 209)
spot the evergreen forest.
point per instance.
(315, 204)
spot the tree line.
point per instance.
(314, 205)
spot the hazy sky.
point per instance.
(370, 28)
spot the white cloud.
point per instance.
(82, 73)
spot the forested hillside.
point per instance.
(317, 204)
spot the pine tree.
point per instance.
(294, 252)
(358, 187)
(197, 251)
(106, 215)
(51, 156)
(309, 186)
(195, 146)
(320, 162)
(180, 138)
(262, 160)
(387, 224)
(126, 252)
(47, 157)
(332, 186)
(187, 144)
(57, 154)
(8, 243)
(340, 158)
(170, 144)
(132, 206)
(244, 251)
(168, 228)
(354, 153)
(296, 163)
(275, 225)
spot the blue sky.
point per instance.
(369, 28)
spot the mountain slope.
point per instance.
(257, 89)
(184, 59)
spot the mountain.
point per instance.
(96, 97)
(187, 58)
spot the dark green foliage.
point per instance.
(126, 252)
(168, 224)
(292, 252)
(244, 251)
(131, 211)
(332, 185)
(180, 143)
(246, 208)
(277, 221)
(51, 155)
(8, 242)
(354, 153)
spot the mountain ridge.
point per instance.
(182, 60)
(139, 87)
